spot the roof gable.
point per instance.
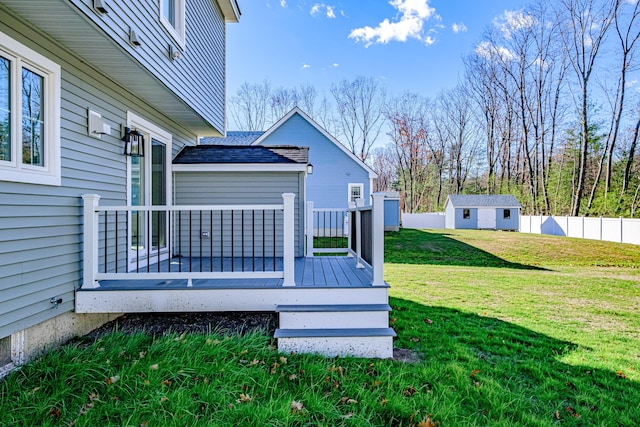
(483, 200)
(296, 110)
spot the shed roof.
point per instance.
(252, 154)
(236, 137)
(483, 200)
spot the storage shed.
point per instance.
(492, 212)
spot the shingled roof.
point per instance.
(224, 154)
(483, 200)
(233, 138)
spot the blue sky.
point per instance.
(410, 45)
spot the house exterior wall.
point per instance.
(40, 225)
(508, 224)
(333, 170)
(391, 214)
(204, 49)
(242, 188)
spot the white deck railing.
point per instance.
(154, 242)
(364, 230)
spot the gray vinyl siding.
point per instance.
(513, 223)
(40, 226)
(240, 188)
(199, 75)
(333, 169)
(469, 223)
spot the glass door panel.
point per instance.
(158, 194)
(138, 193)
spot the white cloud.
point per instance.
(335, 65)
(632, 83)
(512, 21)
(493, 52)
(414, 14)
(283, 3)
(321, 8)
(305, 66)
(458, 28)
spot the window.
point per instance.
(466, 213)
(356, 191)
(172, 17)
(29, 115)
(506, 214)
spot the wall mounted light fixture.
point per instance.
(133, 142)
(309, 169)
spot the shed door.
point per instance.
(486, 218)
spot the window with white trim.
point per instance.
(29, 115)
(172, 17)
(356, 191)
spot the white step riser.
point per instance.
(334, 320)
(369, 347)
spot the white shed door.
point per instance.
(486, 218)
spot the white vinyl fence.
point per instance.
(623, 230)
(423, 220)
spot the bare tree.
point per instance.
(584, 25)
(359, 105)
(384, 163)
(249, 106)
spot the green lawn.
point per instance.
(512, 329)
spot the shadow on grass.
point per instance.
(501, 372)
(410, 246)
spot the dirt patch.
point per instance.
(406, 356)
(223, 323)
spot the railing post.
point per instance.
(288, 239)
(377, 261)
(90, 241)
(310, 230)
(359, 204)
(350, 206)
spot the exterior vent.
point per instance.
(99, 6)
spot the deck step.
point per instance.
(337, 332)
(316, 308)
(352, 342)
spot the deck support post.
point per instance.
(378, 239)
(310, 230)
(288, 240)
(359, 204)
(90, 241)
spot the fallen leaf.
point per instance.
(163, 399)
(254, 362)
(230, 405)
(376, 383)
(55, 412)
(296, 406)
(621, 375)
(283, 360)
(428, 321)
(556, 415)
(181, 337)
(154, 367)
(474, 373)
(383, 401)
(293, 377)
(166, 382)
(338, 369)
(409, 391)
(274, 367)
(428, 422)
(348, 400)
(415, 339)
(144, 424)
(244, 398)
(112, 380)
(347, 416)
(393, 320)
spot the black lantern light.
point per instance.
(133, 143)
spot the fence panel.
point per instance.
(625, 230)
(423, 220)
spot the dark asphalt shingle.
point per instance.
(242, 154)
(481, 200)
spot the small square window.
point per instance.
(506, 214)
(356, 191)
(466, 213)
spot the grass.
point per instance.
(512, 330)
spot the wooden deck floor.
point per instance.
(320, 272)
